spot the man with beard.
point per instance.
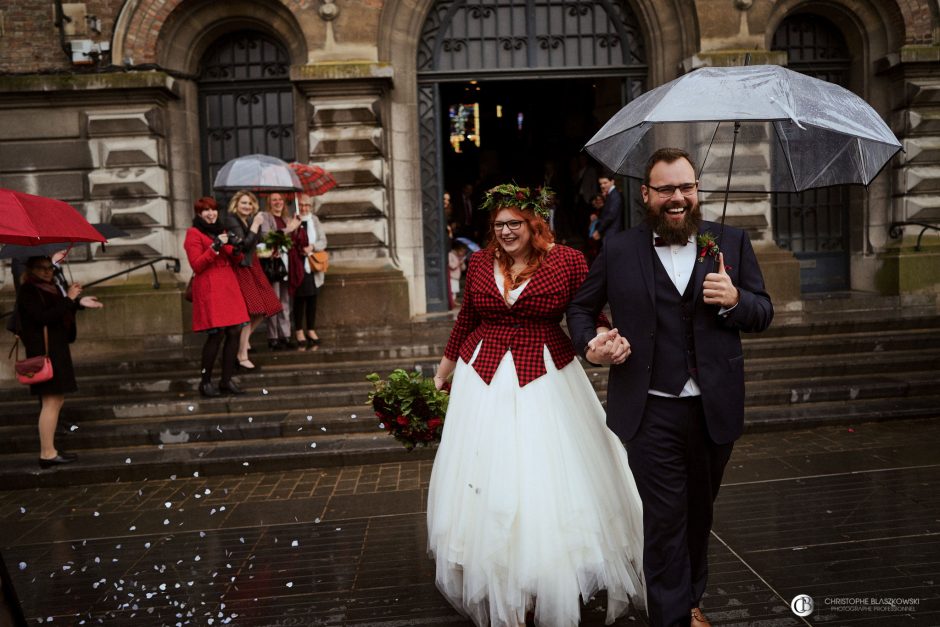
(676, 388)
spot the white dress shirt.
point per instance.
(679, 262)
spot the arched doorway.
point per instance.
(814, 224)
(512, 90)
(246, 101)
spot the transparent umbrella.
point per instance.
(792, 132)
(259, 173)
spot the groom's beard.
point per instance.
(675, 234)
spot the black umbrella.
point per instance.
(18, 251)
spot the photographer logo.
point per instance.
(802, 605)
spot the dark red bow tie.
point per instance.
(658, 241)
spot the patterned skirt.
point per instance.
(260, 298)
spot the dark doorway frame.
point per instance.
(465, 40)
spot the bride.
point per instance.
(532, 505)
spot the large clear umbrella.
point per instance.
(257, 173)
(793, 132)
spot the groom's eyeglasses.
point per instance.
(667, 191)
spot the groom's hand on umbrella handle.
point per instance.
(718, 288)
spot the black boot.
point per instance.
(207, 389)
(230, 387)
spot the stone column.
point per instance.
(346, 105)
(916, 120)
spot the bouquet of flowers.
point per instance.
(273, 240)
(409, 407)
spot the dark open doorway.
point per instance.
(527, 131)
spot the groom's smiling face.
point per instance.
(676, 217)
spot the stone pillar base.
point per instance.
(781, 272)
(363, 297)
(905, 270)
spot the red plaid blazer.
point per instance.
(525, 327)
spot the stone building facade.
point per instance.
(126, 108)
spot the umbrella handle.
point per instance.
(724, 208)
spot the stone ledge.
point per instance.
(119, 81)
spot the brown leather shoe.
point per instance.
(698, 619)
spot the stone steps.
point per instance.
(146, 408)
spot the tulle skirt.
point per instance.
(531, 502)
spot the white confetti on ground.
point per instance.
(127, 461)
(313, 445)
(264, 391)
(73, 428)
(295, 543)
(22, 565)
(190, 408)
(290, 584)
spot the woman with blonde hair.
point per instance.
(531, 505)
(244, 222)
(276, 218)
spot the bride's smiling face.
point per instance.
(512, 232)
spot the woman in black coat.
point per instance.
(40, 305)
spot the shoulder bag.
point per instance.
(319, 260)
(33, 369)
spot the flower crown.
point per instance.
(538, 200)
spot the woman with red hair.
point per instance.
(218, 306)
(531, 504)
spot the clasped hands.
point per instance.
(608, 347)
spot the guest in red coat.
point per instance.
(218, 306)
(244, 221)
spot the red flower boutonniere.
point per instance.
(707, 246)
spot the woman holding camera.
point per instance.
(244, 222)
(218, 305)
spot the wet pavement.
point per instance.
(847, 515)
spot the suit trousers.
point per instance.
(279, 324)
(678, 470)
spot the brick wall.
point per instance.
(30, 40)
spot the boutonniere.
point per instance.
(707, 246)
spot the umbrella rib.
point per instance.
(821, 170)
(708, 151)
(786, 155)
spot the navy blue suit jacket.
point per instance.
(622, 275)
(611, 218)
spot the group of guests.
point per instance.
(232, 294)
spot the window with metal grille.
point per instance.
(246, 102)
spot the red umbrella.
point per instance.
(29, 220)
(315, 179)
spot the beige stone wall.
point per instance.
(124, 147)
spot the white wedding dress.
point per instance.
(532, 501)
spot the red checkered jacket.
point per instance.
(525, 327)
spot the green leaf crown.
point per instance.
(538, 200)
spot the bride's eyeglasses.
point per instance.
(512, 224)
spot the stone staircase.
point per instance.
(141, 416)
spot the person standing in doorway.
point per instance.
(611, 220)
(676, 389)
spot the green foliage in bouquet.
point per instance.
(409, 407)
(275, 240)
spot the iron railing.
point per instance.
(896, 230)
(173, 264)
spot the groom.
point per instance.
(676, 389)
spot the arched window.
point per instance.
(246, 102)
(814, 224)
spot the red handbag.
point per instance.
(33, 369)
